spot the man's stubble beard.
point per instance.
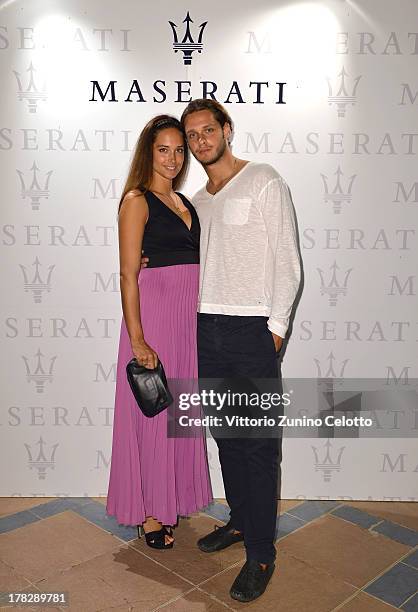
(217, 155)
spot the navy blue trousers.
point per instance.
(239, 346)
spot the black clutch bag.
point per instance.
(149, 387)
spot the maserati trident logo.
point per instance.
(339, 94)
(38, 374)
(326, 464)
(34, 188)
(41, 463)
(334, 288)
(330, 371)
(338, 194)
(32, 93)
(36, 283)
(187, 44)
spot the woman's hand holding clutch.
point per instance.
(145, 355)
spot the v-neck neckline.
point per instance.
(231, 180)
(189, 229)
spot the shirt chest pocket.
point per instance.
(236, 211)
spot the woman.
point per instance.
(153, 478)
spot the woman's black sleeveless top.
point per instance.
(167, 240)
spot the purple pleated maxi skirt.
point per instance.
(151, 474)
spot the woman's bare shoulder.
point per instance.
(134, 193)
(133, 205)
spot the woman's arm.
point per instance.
(133, 216)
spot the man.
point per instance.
(250, 274)
(249, 277)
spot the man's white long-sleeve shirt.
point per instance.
(249, 261)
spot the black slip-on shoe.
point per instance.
(219, 538)
(251, 582)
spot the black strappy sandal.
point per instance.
(156, 539)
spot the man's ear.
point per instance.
(227, 131)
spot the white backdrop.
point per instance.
(345, 138)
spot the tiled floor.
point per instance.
(348, 556)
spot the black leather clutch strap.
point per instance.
(149, 387)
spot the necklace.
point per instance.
(225, 180)
(175, 208)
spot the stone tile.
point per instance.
(96, 513)
(396, 585)
(14, 521)
(60, 504)
(100, 500)
(39, 550)
(76, 502)
(356, 516)
(397, 532)
(287, 524)
(365, 603)
(185, 558)
(287, 504)
(411, 605)
(10, 579)
(345, 551)
(214, 510)
(412, 559)
(122, 578)
(218, 511)
(194, 601)
(403, 513)
(220, 500)
(55, 506)
(11, 505)
(294, 586)
(309, 510)
(282, 506)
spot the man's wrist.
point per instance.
(277, 328)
